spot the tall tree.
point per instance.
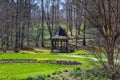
(106, 20)
(42, 24)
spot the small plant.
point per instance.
(65, 70)
(29, 78)
(56, 73)
(63, 78)
(76, 72)
(48, 75)
(56, 78)
(40, 77)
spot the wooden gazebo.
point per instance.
(59, 41)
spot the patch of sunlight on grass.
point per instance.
(81, 52)
(36, 51)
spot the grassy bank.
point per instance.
(18, 71)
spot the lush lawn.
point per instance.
(84, 61)
(41, 57)
(89, 54)
(22, 71)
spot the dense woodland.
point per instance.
(25, 23)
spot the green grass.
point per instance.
(89, 54)
(22, 71)
(45, 57)
(81, 52)
(34, 56)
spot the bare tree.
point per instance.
(104, 15)
(42, 24)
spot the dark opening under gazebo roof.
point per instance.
(60, 34)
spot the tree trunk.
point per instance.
(17, 31)
(110, 55)
(84, 35)
(42, 31)
(22, 37)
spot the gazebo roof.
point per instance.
(60, 34)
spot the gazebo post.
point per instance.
(61, 46)
(64, 45)
(55, 44)
(67, 46)
(52, 45)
